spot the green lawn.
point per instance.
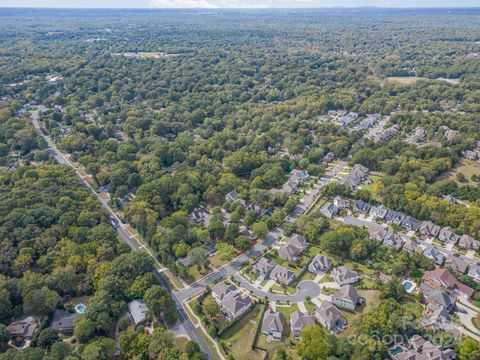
(286, 310)
(467, 168)
(372, 298)
(239, 337)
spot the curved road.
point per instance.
(305, 288)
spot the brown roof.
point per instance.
(443, 278)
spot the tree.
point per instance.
(46, 337)
(4, 334)
(211, 308)
(469, 349)
(260, 229)
(41, 301)
(84, 330)
(59, 351)
(159, 302)
(160, 340)
(392, 289)
(316, 344)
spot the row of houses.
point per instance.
(418, 348)
(232, 303)
(368, 122)
(390, 133)
(355, 177)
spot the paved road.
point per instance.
(184, 324)
(231, 268)
(306, 288)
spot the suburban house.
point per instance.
(468, 242)
(432, 253)
(361, 206)
(138, 310)
(390, 133)
(341, 203)
(320, 264)
(282, 275)
(231, 196)
(235, 307)
(347, 297)
(438, 319)
(330, 318)
(263, 267)
(394, 217)
(297, 178)
(421, 349)
(329, 158)
(22, 331)
(63, 321)
(273, 325)
(329, 210)
(447, 235)
(300, 320)
(456, 264)
(394, 240)
(410, 223)
(429, 229)
(450, 198)
(357, 175)
(344, 276)
(441, 279)
(223, 291)
(293, 248)
(379, 212)
(435, 298)
(202, 216)
(412, 247)
(474, 272)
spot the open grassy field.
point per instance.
(404, 80)
(467, 168)
(372, 298)
(239, 337)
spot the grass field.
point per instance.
(372, 297)
(404, 80)
(286, 310)
(467, 168)
(239, 337)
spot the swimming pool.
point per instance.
(407, 285)
(396, 351)
(80, 308)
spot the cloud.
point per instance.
(207, 4)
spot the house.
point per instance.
(468, 242)
(223, 291)
(273, 325)
(447, 235)
(410, 223)
(341, 203)
(298, 321)
(235, 307)
(329, 317)
(456, 264)
(394, 240)
(361, 206)
(138, 310)
(395, 217)
(432, 253)
(356, 175)
(390, 133)
(282, 275)
(202, 216)
(474, 272)
(329, 210)
(231, 196)
(421, 349)
(344, 276)
(435, 298)
(470, 155)
(63, 321)
(329, 158)
(379, 212)
(429, 229)
(320, 264)
(441, 279)
(347, 297)
(263, 267)
(450, 198)
(411, 247)
(293, 248)
(22, 331)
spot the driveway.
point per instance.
(466, 320)
(305, 288)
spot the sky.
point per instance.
(235, 3)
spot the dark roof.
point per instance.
(63, 320)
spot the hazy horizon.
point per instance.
(234, 4)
